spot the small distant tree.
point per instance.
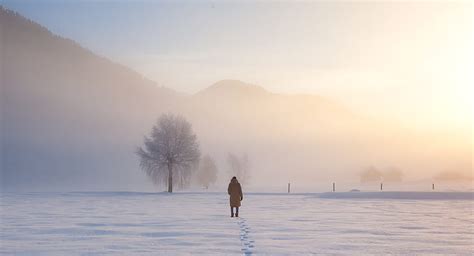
(393, 174)
(370, 174)
(207, 173)
(170, 152)
(455, 175)
(239, 167)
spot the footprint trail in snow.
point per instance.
(247, 242)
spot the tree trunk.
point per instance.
(170, 178)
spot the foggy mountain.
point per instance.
(69, 116)
(71, 120)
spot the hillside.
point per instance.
(65, 110)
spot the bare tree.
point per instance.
(370, 174)
(373, 174)
(170, 152)
(239, 167)
(207, 173)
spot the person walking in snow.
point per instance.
(235, 192)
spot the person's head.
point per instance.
(234, 179)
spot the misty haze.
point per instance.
(129, 119)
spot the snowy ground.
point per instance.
(128, 223)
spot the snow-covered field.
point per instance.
(129, 223)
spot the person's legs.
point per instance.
(236, 211)
(231, 211)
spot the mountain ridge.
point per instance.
(233, 87)
(64, 108)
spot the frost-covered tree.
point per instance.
(171, 151)
(239, 167)
(207, 172)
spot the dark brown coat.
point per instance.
(235, 192)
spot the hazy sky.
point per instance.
(409, 61)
